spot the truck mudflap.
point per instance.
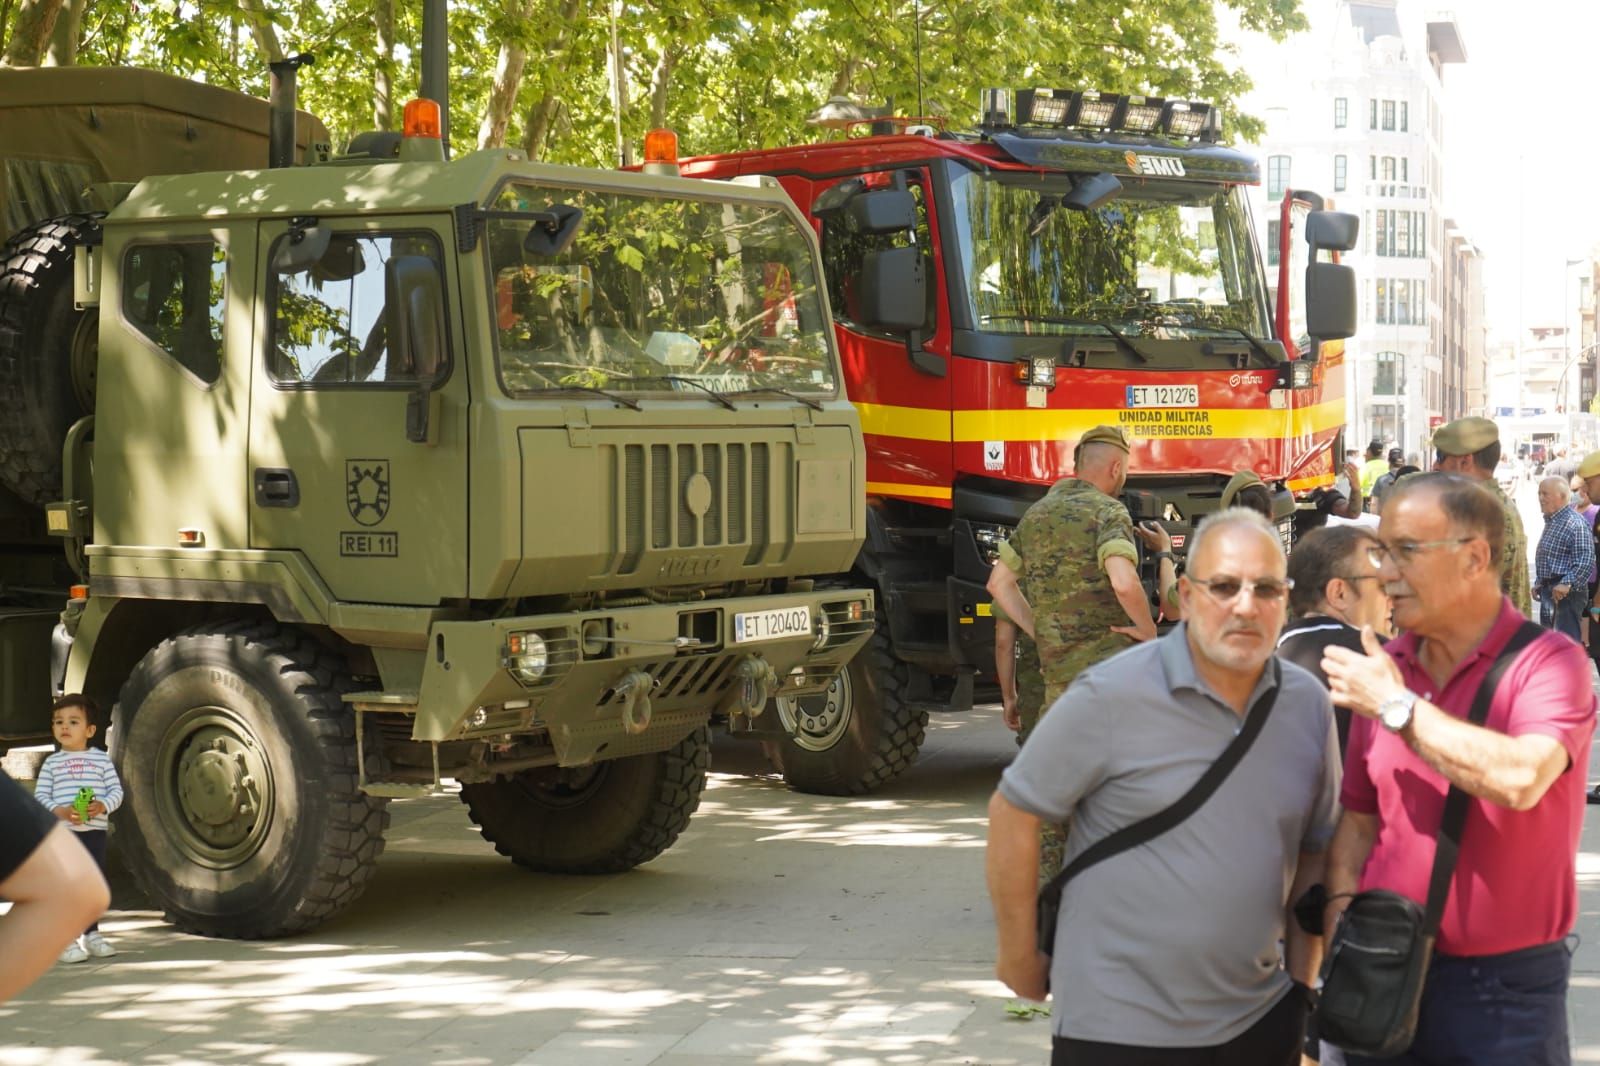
(610, 682)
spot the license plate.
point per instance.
(771, 625)
(1163, 396)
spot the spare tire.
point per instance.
(48, 351)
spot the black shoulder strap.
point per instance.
(1149, 828)
(1448, 846)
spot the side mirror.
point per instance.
(555, 232)
(416, 326)
(1330, 301)
(301, 249)
(1332, 231)
(883, 211)
(1091, 191)
(894, 289)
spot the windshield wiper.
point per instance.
(702, 386)
(623, 400)
(1122, 339)
(808, 401)
(1254, 343)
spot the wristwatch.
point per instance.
(1395, 712)
(1158, 556)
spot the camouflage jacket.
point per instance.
(1029, 675)
(1514, 580)
(1059, 551)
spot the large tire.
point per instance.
(599, 819)
(48, 352)
(238, 760)
(858, 735)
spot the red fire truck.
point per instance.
(1079, 258)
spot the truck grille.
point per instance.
(655, 481)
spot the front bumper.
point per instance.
(684, 657)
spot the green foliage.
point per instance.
(730, 75)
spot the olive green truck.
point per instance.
(377, 470)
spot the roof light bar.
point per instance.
(1091, 110)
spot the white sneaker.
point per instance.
(74, 953)
(98, 946)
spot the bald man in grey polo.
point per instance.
(1175, 943)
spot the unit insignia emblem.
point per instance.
(366, 490)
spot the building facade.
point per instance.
(1355, 111)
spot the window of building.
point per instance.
(174, 294)
(1385, 422)
(1388, 114)
(1382, 230)
(1405, 169)
(1372, 114)
(1341, 112)
(1402, 302)
(1277, 176)
(1405, 116)
(1340, 166)
(1274, 238)
(1384, 292)
(1388, 168)
(1372, 166)
(1402, 236)
(1386, 376)
(329, 322)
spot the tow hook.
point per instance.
(756, 679)
(635, 688)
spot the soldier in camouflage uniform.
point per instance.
(1016, 662)
(1075, 554)
(1471, 447)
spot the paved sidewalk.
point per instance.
(780, 929)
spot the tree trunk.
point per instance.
(543, 113)
(68, 32)
(262, 29)
(30, 33)
(661, 83)
(540, 117)
(507, 81)
(383, 74)
(846, 75)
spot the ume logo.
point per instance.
(1157, 166)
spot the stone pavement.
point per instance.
(780, 929)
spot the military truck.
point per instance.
(402, 470)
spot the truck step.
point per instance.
(381, 700)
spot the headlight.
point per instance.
(527, 657)
(822, 629)
(989, 537)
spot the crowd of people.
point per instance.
(1193, 812)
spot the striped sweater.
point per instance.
(67, 771)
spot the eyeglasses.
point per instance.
(1405, 552)
(1227, 589)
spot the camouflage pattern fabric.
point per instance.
(1059, 551)
(1029, 679)
(1514, 580)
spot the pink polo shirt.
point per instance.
(1515, 882)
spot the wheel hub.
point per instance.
(818, 722)
(222, 794)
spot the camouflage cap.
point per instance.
(1465, 436)
(1237, 484)
(1590, 467)
(1104, 435)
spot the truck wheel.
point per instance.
(857, 735)
(238, 760)
(48, 353)
(599, 819)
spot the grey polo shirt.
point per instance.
(1176, 943)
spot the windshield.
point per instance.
(657, 294)
(1167, 260)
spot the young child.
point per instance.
(79, 770)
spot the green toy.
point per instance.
(81, 804)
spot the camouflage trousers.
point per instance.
(1052, 838)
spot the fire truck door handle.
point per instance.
(276, 487)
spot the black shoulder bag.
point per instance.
(1128, 837)
(1373, 976)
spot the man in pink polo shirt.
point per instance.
(1496, 991)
